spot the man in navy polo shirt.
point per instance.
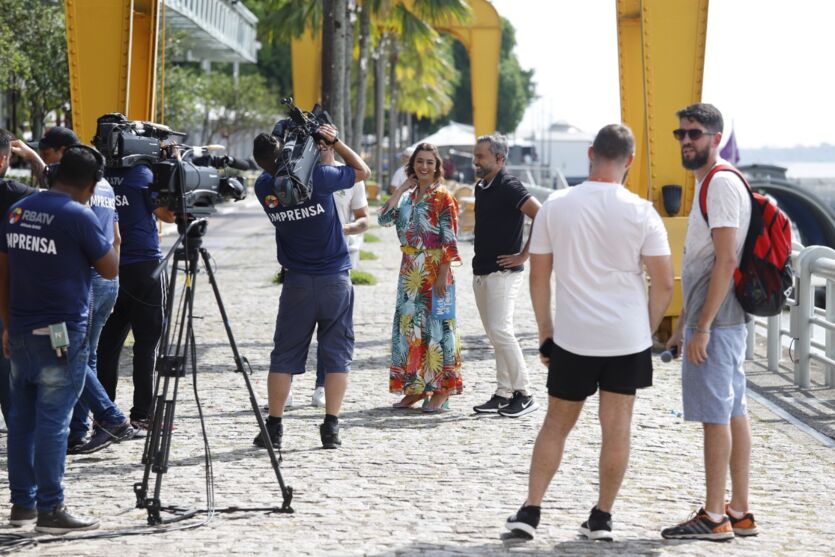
(317, 290)
(47, 245)
(139, 302)
(111, 424)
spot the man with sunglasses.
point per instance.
(712, 331)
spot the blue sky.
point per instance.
(768, 65)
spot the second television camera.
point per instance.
(184, 183)
(299, 138)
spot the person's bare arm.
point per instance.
(117, 238)
(661, 285)
(108, 265)
(330, 134)
(22, 150)
(724, 244)
(540, 285)
(530, 207)
(360, 223)
(165, 214)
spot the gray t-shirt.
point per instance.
(728, 205)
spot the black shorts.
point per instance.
(575, 377)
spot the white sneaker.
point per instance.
(289, 402)
(318, 397)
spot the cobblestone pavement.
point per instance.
(411, 484)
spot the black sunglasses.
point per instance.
(693, 133)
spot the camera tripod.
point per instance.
(178, 351)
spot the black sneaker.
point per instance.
(74, 444)
(276, 431)
(330, 435)
(105, 436)
(519, 406)
(21, 516)
(598, 526)
(522, 525)
(59, 521)
(492, 406)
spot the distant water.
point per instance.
(809, 169)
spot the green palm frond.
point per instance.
(287, 19)
(442, 12)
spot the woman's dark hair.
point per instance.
(439, 162)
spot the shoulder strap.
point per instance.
(706, 183)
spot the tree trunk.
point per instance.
(362, 77)
(333, 60)
(350, 22)
(379, 111)
(393, 154)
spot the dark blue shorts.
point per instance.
(324, 302)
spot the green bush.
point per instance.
(367, 255)
(370, 238)
(361, 277)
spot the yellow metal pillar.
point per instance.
(307, 69)
(661, 54)
(112, 53)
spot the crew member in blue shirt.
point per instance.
(139, 302)
(48, 243)
(317, 290)
(111, 424)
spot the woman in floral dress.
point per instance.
(425, 350)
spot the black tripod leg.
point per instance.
(286, 491)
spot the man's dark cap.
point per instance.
(58, 137)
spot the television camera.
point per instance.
(185, 182)
(299, 137)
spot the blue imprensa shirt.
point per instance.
(103, 204)
(135, 206)
(308, 237)
(51, 242)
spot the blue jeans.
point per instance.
(44, 389)
(4, 381)
(94, 398)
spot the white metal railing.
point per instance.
(220, 22)
(817, 262)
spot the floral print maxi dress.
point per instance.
(425, 352)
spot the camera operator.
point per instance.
(47, 245)
(111, 424)
(139, 301)
(10, 193)
(317, 290)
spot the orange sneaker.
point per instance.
(745, 526)
(700, 527)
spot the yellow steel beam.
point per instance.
(143, 60)
(661, 53)
(112, 54)
(307, 69)
(98, 47)
(481, 36)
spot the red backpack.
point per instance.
(764, 278)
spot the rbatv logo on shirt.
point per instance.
(14, 216)
(271, 201)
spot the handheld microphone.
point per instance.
(669, 355)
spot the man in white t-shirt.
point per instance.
(712, 329)
(596, 238)
(399, 175)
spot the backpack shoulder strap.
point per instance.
(706, 183)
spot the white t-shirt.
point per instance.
(728, 205)
(346, 201)
(597, 233)
(399, 177)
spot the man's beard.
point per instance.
(698, 161)
(481, 172)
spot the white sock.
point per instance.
(735, 513)
(714, 517)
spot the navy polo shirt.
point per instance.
(51, 242)
(308, 237)
(135, 206)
